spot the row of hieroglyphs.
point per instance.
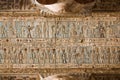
(76, 55)
(60, 29)
(107, 5)
(16, 76)
(46, 41)
(25, 4)
(14, 4)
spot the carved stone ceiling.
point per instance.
(100, 4)
(60, 6)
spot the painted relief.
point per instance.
(26, 4)
(58, 42)
(107, 5)
(61, 29)
(14, 4)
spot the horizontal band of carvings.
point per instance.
(66, 19)
(57, 42)
(57, 70)
(62, 66)
(36, 14)
(16, 76)
(45, 28)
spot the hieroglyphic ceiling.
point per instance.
(104, 5)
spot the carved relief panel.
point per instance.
(48, 42)
(26, 4)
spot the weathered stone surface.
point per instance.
(61, 8)
(73, 9)
(104, 5)
(59, 42)
(32, 43)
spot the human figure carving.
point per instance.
(64, 56)
(69, 54)
(73, 31)
(20, 56)
(102, 32)
(53, 31)
(43, 56)
(3, 31)
(79, 56)
(11, 31)
(29, 35)
(1, 56)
